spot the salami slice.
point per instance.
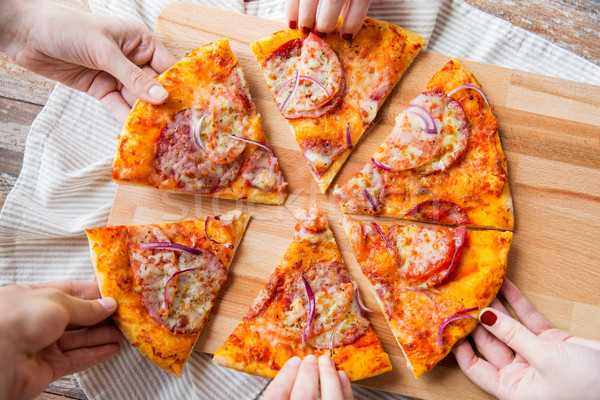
(261, 171)
(174, 283)
(441, 211)
(306, 76)
(180, 159)
(429, 255)
(321, 153)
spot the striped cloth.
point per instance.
(65, 184)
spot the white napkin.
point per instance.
(65, 184)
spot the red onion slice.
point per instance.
(228, 245)
(424, 293)
(361, 306)
(311, 308)
(424, 116)
(169, 246)
(313, 80)
(169, 281)
(453, 317)
(349, 136)
(450, 93)
(284, 85)
(459, 234)
(287, 99)
(382, 166)
(196, 132)
(370, 199)
(262, 145)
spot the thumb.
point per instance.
(88, 312)
(513, 333)
(138, 82)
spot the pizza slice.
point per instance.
(329, 90)
(165, 279)
(310, 305)
(429, 282)
(442, 162)
(206, 139)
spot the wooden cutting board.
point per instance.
(550, 131)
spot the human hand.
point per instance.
(96, 54)
(299, 379)
(548, 364)
(303, 14)
(51, 330)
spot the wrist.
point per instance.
(15, 23)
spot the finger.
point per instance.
(524, 310)
(82, 289)
(133, 78)
(346, 388)
(331, 388)
(82, 359)
(491, 348)
(162, 59)
(291, 12)
(306, 385)
(89, 337)
(481, 372)
(282, 384)
(307, 11)
(129, 97)
(513, 334)
(329, 12)
(116, 105)
(86, 312)
(355, 15)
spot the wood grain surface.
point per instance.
(550, 131)
(571, 24)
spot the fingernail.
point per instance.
(488, 318)
(157, 92)
(305, 30)
(310, 359)
(294, 361)
(292, 24)
(347, 36)
(108, 303)
(325, 360)
(319, 34)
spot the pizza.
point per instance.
(206, 139)
(310, 305)
(442, 162)
(165, 279)
(329, 90)
(430, 282)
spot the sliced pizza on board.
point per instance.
(310, 305)
(442, 162)
(165, 279)
(329, 90)
(206, 139)
(430, 282)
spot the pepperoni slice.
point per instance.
(306, 76)
(410, 144)
(442, 211)
(261, 171)
(227, 116)
(180, 159)
(430, 253)
(200, 284)
(456, 134)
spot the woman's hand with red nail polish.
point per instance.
(321, 16)
(528, 359)
(300, 379)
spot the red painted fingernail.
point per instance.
(347, 36)
(488, 318)
(319, 34)
(305, 30)
(293, 24)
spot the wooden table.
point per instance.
(571, 24)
